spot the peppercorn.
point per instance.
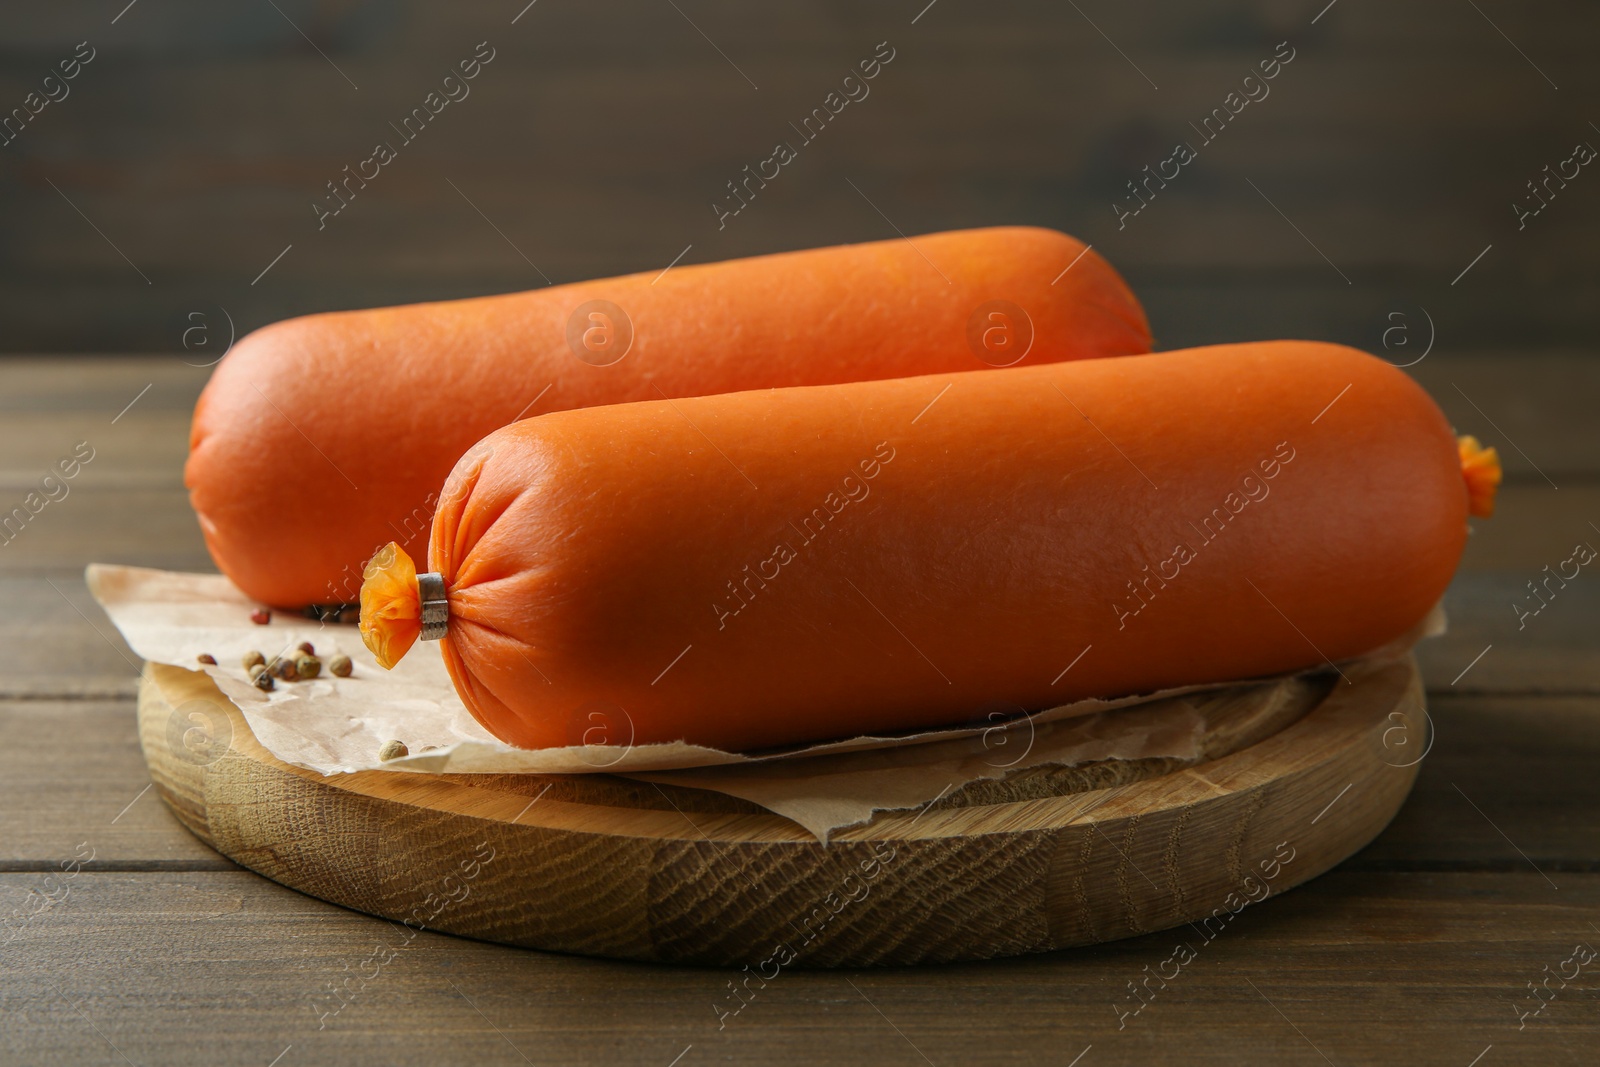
(207, 658)
(261, 616)
(340, 665)
(283, 668)
(252, 659)
(392, 750)
(263, 680)
(307, 666)
(305, 646)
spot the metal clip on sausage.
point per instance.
(435, 606)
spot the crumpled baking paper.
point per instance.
(337, 725)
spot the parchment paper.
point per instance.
(337, 725)
(829, 793)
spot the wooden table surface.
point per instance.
(1421, 949)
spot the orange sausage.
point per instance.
(775, 567)
(320, 438)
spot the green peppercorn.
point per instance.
(340, 665)
(307, 666)
(392, 750)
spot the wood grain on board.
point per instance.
(997, 873)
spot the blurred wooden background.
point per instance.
(190, 149)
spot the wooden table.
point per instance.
(1420, 949)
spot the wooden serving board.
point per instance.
(1295, 777)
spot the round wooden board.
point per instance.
(614, 867)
